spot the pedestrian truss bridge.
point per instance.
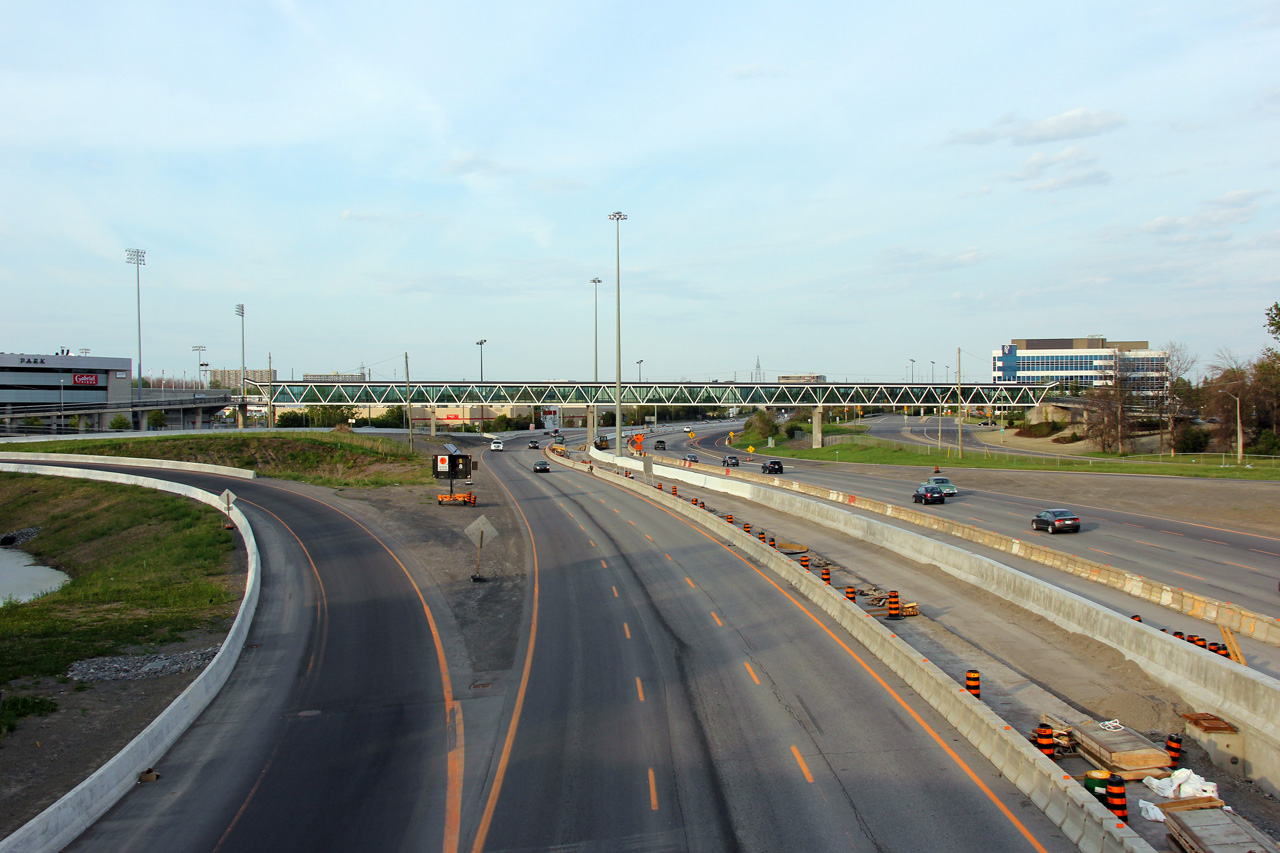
(710, 394)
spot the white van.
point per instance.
(496, 444)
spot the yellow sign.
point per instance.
(691, 435)
(751, 449)
(731, 435)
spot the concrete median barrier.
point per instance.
(59, 824)
(165, 464)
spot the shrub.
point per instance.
(1193, 440)
(120, 422)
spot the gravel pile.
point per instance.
(134, 667)
(18, 537)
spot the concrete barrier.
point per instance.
(135, 462)
(1209, 682)
(61, 823)
(1063, 800)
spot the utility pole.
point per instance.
(271, 394)
(138, 257)
(408, 399)
(617, 216)
(959, 411)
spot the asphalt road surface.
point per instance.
(677, 698)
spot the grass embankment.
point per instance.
(323, 459)
(875, 455)
(145, 568)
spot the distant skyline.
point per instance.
(832, 189)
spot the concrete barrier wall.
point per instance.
(60, 824)
(1242, 621)
(1081, 817)
(165, 464)
(1209, 682)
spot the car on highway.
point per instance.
(691, 457)
(927, 494)
(659, 445)
(773, 466)
(496, 444)
(533, 444)
(542, 466)
(1056, 521)
(943, 483)
(731, 462)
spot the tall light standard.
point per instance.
(240, 314)
(138, 257)
(931, 366)
(480, 343)
(618, 216)
(913, 369)
(595, 417)
(1239, 428)
(638, 363)
(200, 365)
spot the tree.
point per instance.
(329, 416)
(1229, 400)
(1273, 320)
(763, 423)
(1108, 407)
(290, 419)
(1178, 363)
(120, 422)
(157, 419)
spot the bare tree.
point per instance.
(1108, 412)
(1230, 399)
(1179, 361)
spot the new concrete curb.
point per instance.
(166, 464)
(61, 823)
(1063, 800)
(1249, 699)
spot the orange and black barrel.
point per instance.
(1044, 740)
(1202, 642)
(675, 493)
(1173, 746)
(773, 543)
(730, 518)
(973, 683)
(760, 535)
(1116, 802)
(851, 594)
(804, 562)
(660, 488)
(701, 505)
(746, 527)
(1223, 650)
(1136, 618)
(826, 576)
(895, 605)
(1179, 635)
(1213, 647)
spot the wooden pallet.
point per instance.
(1124, 752)
(1216, 831)
(1233, 648)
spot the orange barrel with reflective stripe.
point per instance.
(773, 543)
(1044, 740)
(746, 527)
(973, 683)
(826, 576)
(1116, 802)
(851, 594)
(895, 605)
(730, 518)
(804, 562)
(1173, 746)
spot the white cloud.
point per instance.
(1073, 124)
(1237, 207)
(1072, 180)
(926, 260)
(1037, 164)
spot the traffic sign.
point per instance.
(751, 449)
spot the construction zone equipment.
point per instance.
(826, 576)
(1044, 740)
(601, 442)
(1173, 746)
(1233, 647)
(804, 562)
(895, 606)
(464, 498)
(973, 683)
(881, 603)
(1117, 803)
(850, 594)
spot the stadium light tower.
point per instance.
(138, 257)
(618, 216)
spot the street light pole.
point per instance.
(595, 410)
(913, 369)
(480, 343)
(618, 216)
(931, 366)
(242, 407)
(199, 351)
(138, 257)
(638, 363)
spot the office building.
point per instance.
(1077, 364)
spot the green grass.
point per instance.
(872, 454)
(322, 459)
(145, 567)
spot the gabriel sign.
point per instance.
(84, 379)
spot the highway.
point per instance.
(677, 698)
(1230, 565)
(331, 732)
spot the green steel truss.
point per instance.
(710, 394)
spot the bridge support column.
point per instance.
(242, 414)
(817, 427)
(433, 421)
(591, 425)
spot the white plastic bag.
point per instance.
(1150, 811)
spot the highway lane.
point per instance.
(331, 732)
(1231, 565)
(678, 699)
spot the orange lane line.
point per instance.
(717, 618)
(1256, 551)
(1241, 566)
(486, 819)
(627, 629)
(615, 591)
(647, 536)
(1152, 544)
(920, 721)
(1127, 524)
(593, 542)
(653, 792)
(603, 564)
(1185, 574)
(583, 529)
(632, 523)
(668, 556)
(808, 777)
(1171, 533)
(1108, 553)
(1215, 541)
(640, 688)
(747, 664)
(691, 583)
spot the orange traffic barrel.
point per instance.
(1116, 802)
(973, 683)
(1044, 740)
(804, 562)
(826, 576)
(760, 535)
(1173, 746)
(1202, 642)
(1222, 650)
(1136, 618)
(895, 605)
(746, 527)
(1179, 635)
(729, 518)
(675, 493)
(773, 543)
(851, 594)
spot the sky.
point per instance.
(829, 187)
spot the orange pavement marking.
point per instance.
(1242, 566)
(632, 523)
(1256, 551)
(1152, 544)
(1108, 553)
(808, 777)
(1197, 577)
(1171, 533)
(717, 618)
(1215, 541)
(627, 629)
(747, 664)
(653, 792)
(647, 536)
(691, 583)
(593, 542)
(1127, 524)
(668, 556)
(640, 688)
(615, 591)
(603, 564)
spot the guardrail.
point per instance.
(1066, 803)
(61, 823)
